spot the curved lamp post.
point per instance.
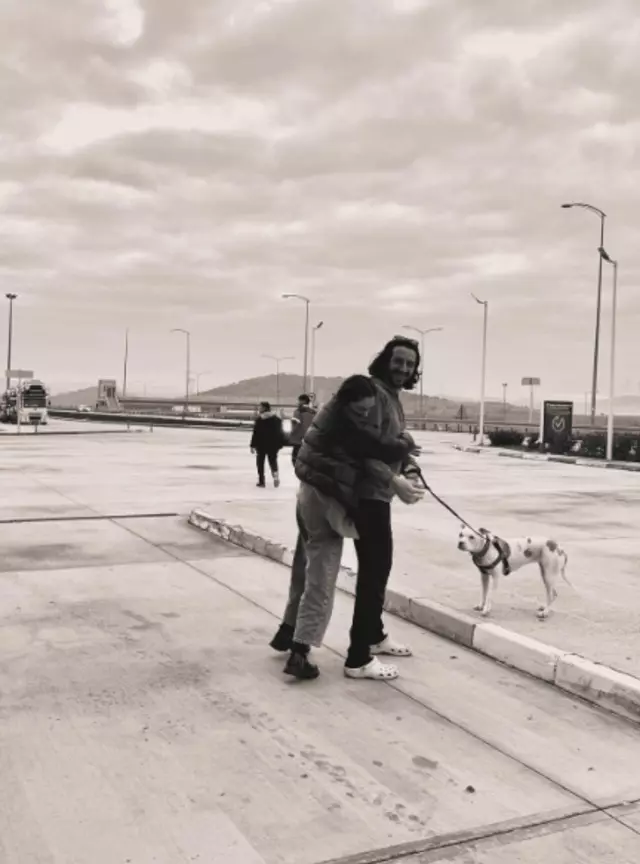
(485, 304)
(612, 367)
(422, 335)
(10, 297)
(278, 361)
(313, 356)
(188, 362)
(596, 348)
(306, 301)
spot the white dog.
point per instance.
(491, 555)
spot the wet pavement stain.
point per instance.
(423, 762)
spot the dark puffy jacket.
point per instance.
(268, 436)
(333, 450)
(304, 417)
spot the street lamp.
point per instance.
(612, 368)
(126, 363)
(278, 360)
(596, 348)
(198, 377)
(422, 335)
(306, 301)
(313, 356)
(504, 399)
(188, 360)
(485, 304)
(10, 297)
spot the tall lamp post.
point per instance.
(10, 297)
(313, 356)
(126, 364)
(422, 335)
(188, 362)
(306, 301)
(278, 361)
(485, 304)
(504, 399)
(596, 347)
(198, 377)
(612, 367)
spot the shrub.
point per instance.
(505, 438)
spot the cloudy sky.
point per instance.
(182, 163)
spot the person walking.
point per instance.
(396, 368)
(301, 420)
(266, 442)
(329, 466)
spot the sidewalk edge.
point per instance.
(601, 685)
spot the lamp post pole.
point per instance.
(485, 318)
(306, 301)
(10, 297)
(612, 366)
(422, 335)
(313, 356)
(596, 347)
(278, 361)
(188, 365)
(126, 364)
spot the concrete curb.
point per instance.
(615, 691)
(550, 457)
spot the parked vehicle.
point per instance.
(29, 402)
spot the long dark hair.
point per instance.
(379, 367)
(353, 389)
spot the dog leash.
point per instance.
(443, 503)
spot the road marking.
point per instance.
(96, 518)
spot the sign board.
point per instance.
(20, 374)
(530, 382)
(557, 425)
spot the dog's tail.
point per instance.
(563, 569)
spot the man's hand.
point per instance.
(416, 450)
(406, 491)
(253, 450)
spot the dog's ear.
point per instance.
(483, 531)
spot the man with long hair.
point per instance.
(396, 368)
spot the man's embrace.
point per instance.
(396, 368)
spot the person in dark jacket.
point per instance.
(330, 466)
(301, 420)
(266, 442)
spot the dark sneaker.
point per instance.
(283, 640)
(299, 666)
(260, 484)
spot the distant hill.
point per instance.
(290, 387)
(88, 396)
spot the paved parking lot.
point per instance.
(143, 719)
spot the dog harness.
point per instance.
(503, 557)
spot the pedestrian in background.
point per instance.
(266, 442)
(300, 422)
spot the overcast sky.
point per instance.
(182, 163)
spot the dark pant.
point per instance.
(261, 457)
(294, 453)
(374, 549)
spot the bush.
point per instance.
(505, 438)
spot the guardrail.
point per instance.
(149, 419)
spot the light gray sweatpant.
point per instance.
(316, 564)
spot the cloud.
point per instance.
(196, 159)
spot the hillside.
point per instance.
(87, 396)
(254, 389)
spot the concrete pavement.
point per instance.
(144, 720)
